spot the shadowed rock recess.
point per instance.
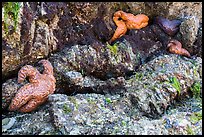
(133, 86)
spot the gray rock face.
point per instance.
(9, 89)
(34, 123)
(159, 82)
(87, 113)
(189, 31)
(134, 87)
(148, 93)
(103, 64)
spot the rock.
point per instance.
(9, 89)
(184, 9)
(73, 23)
(99, 114)
(7, 123)
(197, 46)
(33, 39)
(151, 89)
(87, 113)
(189, 31)
(34, 123)
(75, 83)
(100, 63)
(149, 93)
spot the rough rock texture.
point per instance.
(152, 90)
(189, 32)
(45, 27)
(148, 93)
(100, 61)
(139, 82)
(9, 89)
(198, 43)
(171, 10)
(38, 122)
(94, 114)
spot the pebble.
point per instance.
(7, 123)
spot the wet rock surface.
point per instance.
(55, 25)
(149, 94)
(189, 31)
(34, 123)
(152, 89)
(133, 86)
(74, 115)
(9, 89)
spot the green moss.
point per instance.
(66, 109)
(175, 83)
(145, 86)
(189, 130)
(73, 100)
(139, 76)
(113, 48)
(123, 123)
(82, 72)
(90, 101)
(11, 9)
(115, 130)
(108, 100)
(195, 73)
(196, 88)
(195, 117)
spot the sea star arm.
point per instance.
(175, 47)
(120, 31)
(29, 71)
(22, 97)
(31, 105)
(48, 69)
(137, 22)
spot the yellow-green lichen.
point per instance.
(189, 130)
(195, 117)
(139, 76)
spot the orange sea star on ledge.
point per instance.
(175, 47)
(33, 94)
(126, 21)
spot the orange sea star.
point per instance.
(126, 21)
(175, 47)
(33, 94)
